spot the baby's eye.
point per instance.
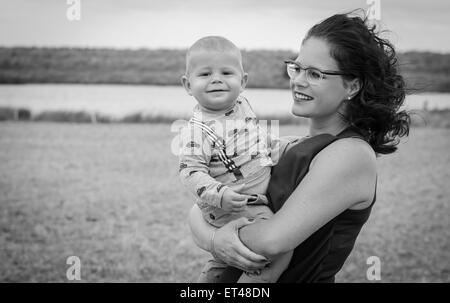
(205, 74)
(226, 73)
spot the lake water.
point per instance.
(121, 100)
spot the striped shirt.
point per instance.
(246, 142)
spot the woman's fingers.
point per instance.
(240, 248)
(241, 222)
(229, 248)
(233, 258)
(247, 265)
(249, 255)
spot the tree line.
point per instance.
(424, 71)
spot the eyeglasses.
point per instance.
(313, 75)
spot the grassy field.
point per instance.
(109, 194)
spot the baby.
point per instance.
(226, 158)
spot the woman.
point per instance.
(345, 80)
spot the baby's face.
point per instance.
(215, 79)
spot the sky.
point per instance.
(251, 24)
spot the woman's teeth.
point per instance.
(302, 96)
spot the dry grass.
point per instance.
(419, 118)
(109, 194)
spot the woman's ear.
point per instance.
(244, 81)
(353, 87)
(186, 84)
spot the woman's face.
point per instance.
(324, 99)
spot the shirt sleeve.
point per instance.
(195, 155)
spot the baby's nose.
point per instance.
(216, 78)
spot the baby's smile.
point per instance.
(216, 90)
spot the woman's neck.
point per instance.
(331, 126)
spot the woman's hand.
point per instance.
(228, 247)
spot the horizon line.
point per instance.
(134, 48)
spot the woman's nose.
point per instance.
(300, 79)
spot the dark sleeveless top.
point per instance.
(321, 256)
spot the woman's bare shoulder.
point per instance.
(349, 154)
(349, 164)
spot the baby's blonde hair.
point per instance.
(213, 44)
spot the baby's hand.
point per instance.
(232, 201)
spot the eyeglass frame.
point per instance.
(322, 72)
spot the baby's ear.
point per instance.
(244, 81)
(186, 84)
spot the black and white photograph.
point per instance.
(213, 141)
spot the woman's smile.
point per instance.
(298, 96)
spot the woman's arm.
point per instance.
(340, 176)
(228, 246)
(201, 231)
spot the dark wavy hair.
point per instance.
(361, 53)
